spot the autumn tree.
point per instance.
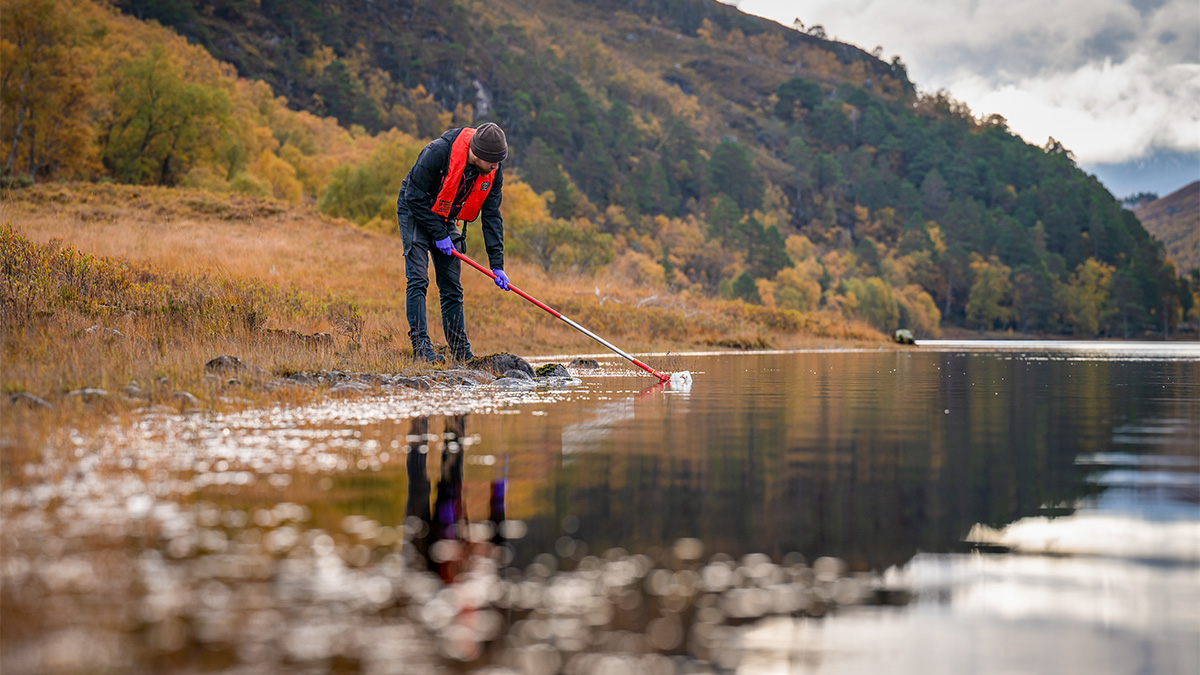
(989, 302)
(161, 123)
(46, 91)
(1086, 297)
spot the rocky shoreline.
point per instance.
(503, 370)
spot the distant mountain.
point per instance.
(1175, 221)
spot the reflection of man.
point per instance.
(456, 177)
(442, 540)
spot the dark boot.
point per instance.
(423, 351)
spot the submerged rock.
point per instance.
(582, 362)
(515, 383)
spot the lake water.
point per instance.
(958, 507)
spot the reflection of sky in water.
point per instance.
(1114, 587)
(221, 530)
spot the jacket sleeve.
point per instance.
(491, 222)
(424, 181)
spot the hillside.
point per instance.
(679, 143)
(1175, 221)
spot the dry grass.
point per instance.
(230, 265)
(290, 246)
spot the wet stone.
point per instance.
(552, 370)
(515, 383)
(585, 363)
(518, 374)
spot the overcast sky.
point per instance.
(1115, 81)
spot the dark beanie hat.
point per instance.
(489, 143)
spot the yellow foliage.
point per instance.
(278, 176)
(796, 289)
(766, 292)
(838, 264)
(799, 247)
(638, 269)
(919, 311)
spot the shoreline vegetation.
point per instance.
(134, 289)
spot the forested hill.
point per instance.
(687, 144)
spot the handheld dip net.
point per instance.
(682, 379)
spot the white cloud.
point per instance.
(1113, 80)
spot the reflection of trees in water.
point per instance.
(871, 476)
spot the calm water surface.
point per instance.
(959, 507)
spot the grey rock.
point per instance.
(418, 383)
(299, 378)
(480, 376)
(133, 391)
(350, 387)
(224, 364)
(517, 374)
(187, 398)
(584, 363)
(26, 398)
(500, 364)
(558, 382)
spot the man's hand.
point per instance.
(445, 246)
(501, 279)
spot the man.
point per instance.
(456, 177)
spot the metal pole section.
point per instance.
(581, 329)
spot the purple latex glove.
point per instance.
(501, 279)
(445, 245)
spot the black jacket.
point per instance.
(420, 189)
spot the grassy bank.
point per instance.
(106, 284)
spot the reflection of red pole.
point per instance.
(665, 377)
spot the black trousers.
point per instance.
(418, 247)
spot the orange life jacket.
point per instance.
(458, 162)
